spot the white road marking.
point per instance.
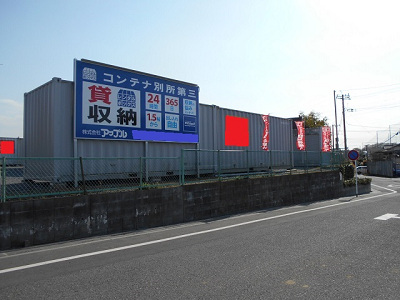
(382, 187)
(387, 217)
(44, 263)
(99, 239)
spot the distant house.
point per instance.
(384, 160)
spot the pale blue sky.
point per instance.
(276, 57)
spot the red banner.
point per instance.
(326, 139)
(265, 139)
(301, 136)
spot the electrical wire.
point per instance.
(372, 87)
(363, 126)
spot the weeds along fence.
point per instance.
(25, 177)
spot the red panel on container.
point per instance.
(7, 147)
(236, 131)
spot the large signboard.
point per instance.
(120, 104)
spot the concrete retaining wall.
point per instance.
(40, 221)
(351, 190)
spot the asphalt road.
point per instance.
(327, 250)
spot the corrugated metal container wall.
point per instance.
(110, 148)
(313, 145)
(49, 123)
(19, 148)
(212, 137)
(314, 139)
(281, 142)
(313, 155)
(48, 120)
(124, 156)
(172, 151)
(212, 130)
(120, 154)
(48, 128)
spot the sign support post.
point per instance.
(353, 155)
(356, 179)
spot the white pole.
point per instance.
(356, 179)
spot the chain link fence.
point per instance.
(43, 177)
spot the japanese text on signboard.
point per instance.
(114, 103)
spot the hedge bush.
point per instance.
(361, 181)
(347, 171)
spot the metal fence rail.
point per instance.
(25, 177)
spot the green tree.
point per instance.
(313, 120)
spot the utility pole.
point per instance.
(337, 135)
(344, 125)
(344, 97)
(344, 121)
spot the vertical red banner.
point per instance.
(265, 139)
(326, 139)
(301, 136)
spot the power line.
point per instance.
(378, 93)
(379, 107)
(366, 126)
(367, 131)
(390, 138)
(372, 87)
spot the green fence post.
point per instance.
(182, 177)
(3, 179)
(141, 174)
(83, 176)
(248, 163)
(219, 164)
(306, 162)
(320, 160)
(270, 163)
(198, 153)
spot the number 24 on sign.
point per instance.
(153, 98)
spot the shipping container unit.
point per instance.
(49, 133)
(312, 156)
(231, 158)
